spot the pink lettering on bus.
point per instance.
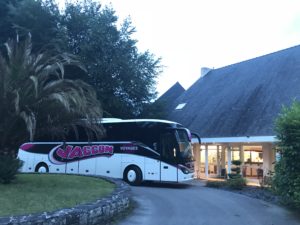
(86, 150)
(76, 153)
(95, 149)
(26, 146)
(64, 153)
(73, 152)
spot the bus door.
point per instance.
(168, 164)
(152, 167)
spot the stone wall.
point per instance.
(101, 211)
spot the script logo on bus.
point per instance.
(74, 153)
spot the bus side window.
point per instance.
(168, 145)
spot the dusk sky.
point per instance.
(191, 34)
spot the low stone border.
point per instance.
(101, 211)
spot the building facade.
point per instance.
(234, 109)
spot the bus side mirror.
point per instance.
(197, 137)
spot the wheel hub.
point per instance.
(131, 176)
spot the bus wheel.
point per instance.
(133, 175)
(41, 168)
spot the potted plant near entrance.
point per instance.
(236, 181)
(235, 171)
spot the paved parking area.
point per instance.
(193, 203)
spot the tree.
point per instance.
(6, 26)
(123, 78)
(287, 170)
(36, 99)
(155, 110)
(41, 18)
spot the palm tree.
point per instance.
(36, 99)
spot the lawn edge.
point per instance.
(100, 211)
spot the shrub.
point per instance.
(235, 171)
(236, 183)
(234, 176)
(9, 167)
(286, 181)
(215, 184)
(236, 162)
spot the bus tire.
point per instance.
(42, 168)
(133, 175)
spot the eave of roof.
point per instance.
(246, 139)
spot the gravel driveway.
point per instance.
(195, 204)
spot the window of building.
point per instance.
(235, 153)
(253, 154)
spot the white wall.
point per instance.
(268, 157)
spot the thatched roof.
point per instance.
(242, 99)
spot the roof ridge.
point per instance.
(258, 57)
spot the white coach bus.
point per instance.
(133, 150)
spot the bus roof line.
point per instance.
(81, 142)
(113, 120)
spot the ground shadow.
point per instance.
(165, 185)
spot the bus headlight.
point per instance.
(184, 169)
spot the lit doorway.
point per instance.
(253, 161)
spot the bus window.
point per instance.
(185, 147)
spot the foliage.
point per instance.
(40, 17)
(215, 184)
(235, 171)
(237, 183)
(155, 110)
(236, 162)
(286, 181)
(9, 167)
(123, 77)
(36, 99)
(6, 25)
(266, 180)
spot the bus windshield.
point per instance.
(185, 146)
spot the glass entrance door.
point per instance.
(253, 161)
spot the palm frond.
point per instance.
(17, 102)
(33, 89)
(30, 121)
(35, 84)
(61, 98)
(8, 49)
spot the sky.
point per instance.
(191, 34)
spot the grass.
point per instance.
(33, 193)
